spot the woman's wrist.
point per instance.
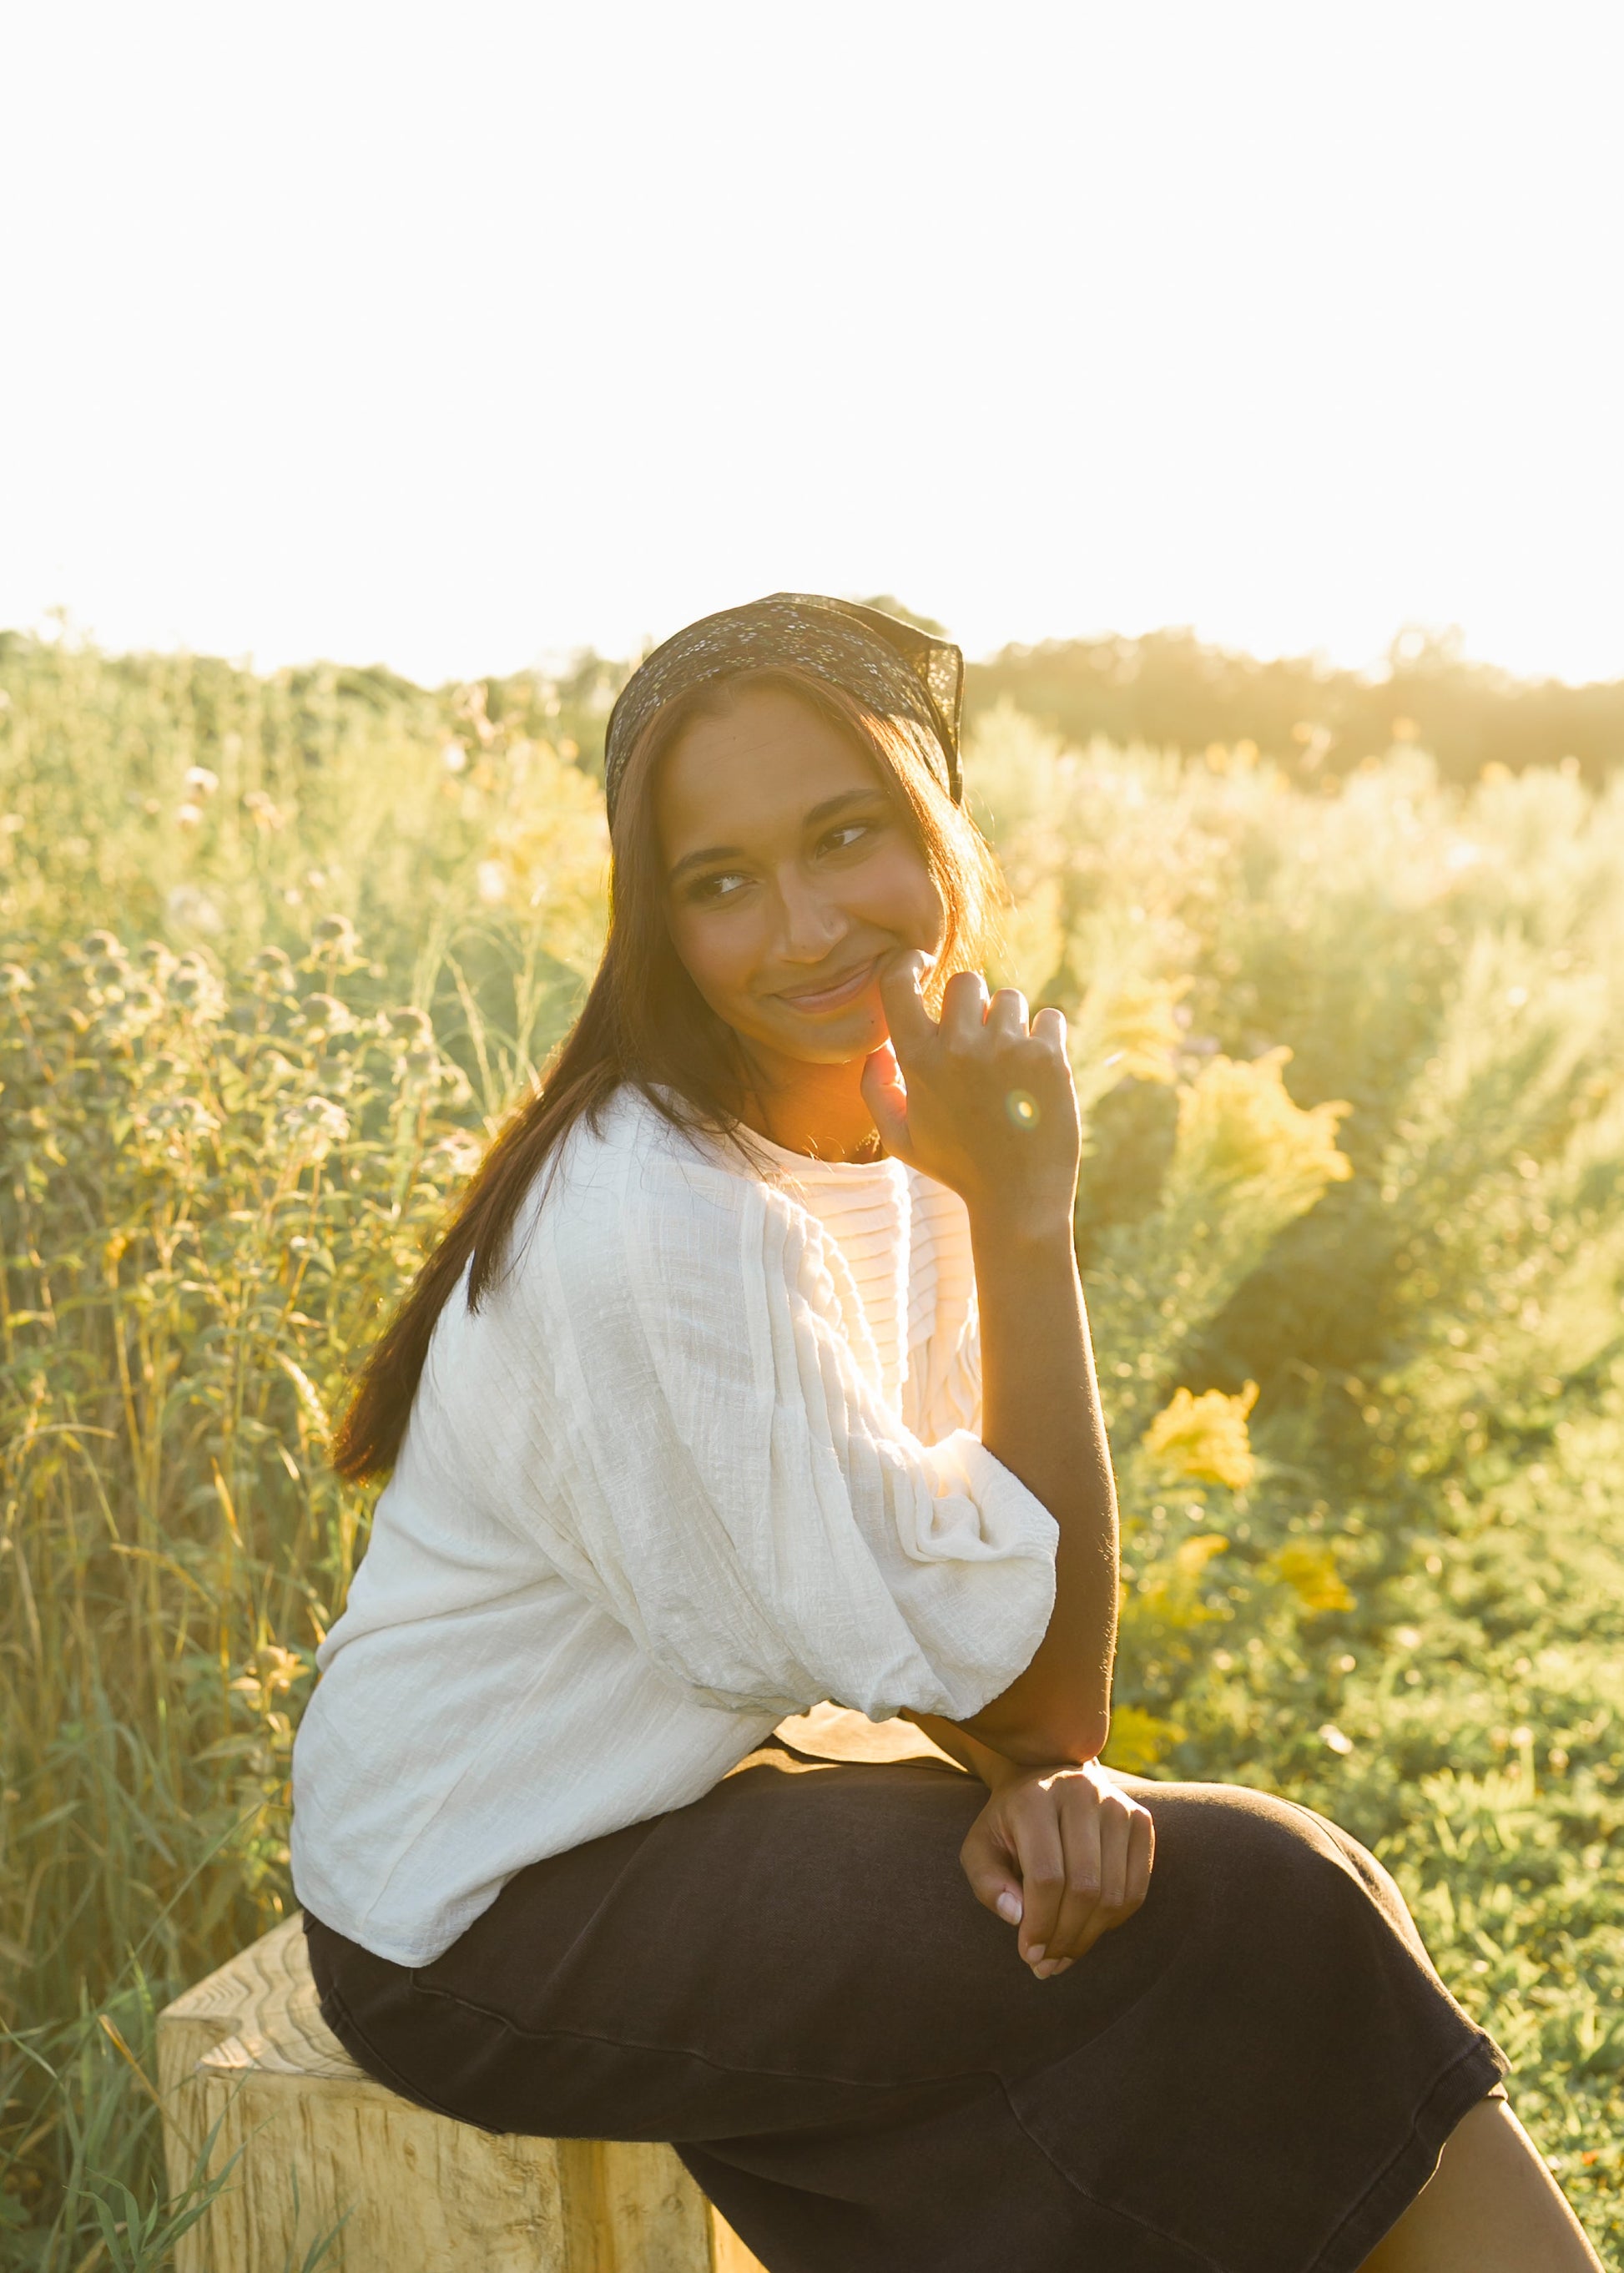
(993, 1770)
(1032, 1230)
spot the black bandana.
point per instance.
(896, 670)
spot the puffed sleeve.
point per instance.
(767, 1530)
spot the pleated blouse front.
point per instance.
(706, 1457)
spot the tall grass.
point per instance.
(279, 951)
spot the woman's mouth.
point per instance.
(835, 994)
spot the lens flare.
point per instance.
(1023, 1108)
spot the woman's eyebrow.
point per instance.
(826, 811)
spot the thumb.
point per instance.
(886, 1094)
(992, 1881)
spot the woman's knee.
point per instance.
(1256, 1848)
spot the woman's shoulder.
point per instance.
(632, 1150)
(631, 1168)
(634, 1191)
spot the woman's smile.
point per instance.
(832, 994)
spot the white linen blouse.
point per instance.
(705, 1457)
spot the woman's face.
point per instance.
(791, 876)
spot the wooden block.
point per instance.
(322, 2149)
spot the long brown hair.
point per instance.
(645, 1023)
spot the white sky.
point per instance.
(454, 336)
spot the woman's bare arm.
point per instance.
(1040, 1417)
(986, 1105)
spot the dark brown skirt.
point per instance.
(791, 1980)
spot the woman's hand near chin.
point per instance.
(980, 1099)
(1064, 1854)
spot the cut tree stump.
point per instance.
(322, 2149)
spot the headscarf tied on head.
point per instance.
(896, 670)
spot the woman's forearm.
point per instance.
(980, 1759)
(1040, 1418)
(986, 1104)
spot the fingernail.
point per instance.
(1064, 1965)
(1010, 1909)
(1048, 1969)
(1036, 1952)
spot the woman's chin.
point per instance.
(840, 1040)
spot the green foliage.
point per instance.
(1169, 692)
(1349, 1220)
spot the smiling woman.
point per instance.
(754, 1375)
(783, 930)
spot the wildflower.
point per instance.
(1308, 1569)
(455, 1156)
(315, 1124)
(201, 782)
(333, 935)
(14, 980)
(192, 909)
(1205, 1438)
(491, 878)
(274, 1670)
(1237, 1125)
(129, 1011)
(181, 1119)
(264, 814)
(271, 972)
(325, 1015)
(410, 1024)
(1332, 1737)
(194, 987)
(454, 757)
(188, 815)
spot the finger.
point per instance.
(1138, 1842)
(1049, 1028)
(1115, 1824)
(886, 1094)
(993, 1879)
(964, 1008)
(901, 979)
(1041, 1861)
(1006, 1015)
(1081, 1831)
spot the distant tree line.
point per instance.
(1170, 690)
(1165, 689)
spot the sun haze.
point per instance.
(446, 340)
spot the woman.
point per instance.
(754, 1375)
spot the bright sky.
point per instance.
(454, 336)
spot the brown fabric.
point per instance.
(898, 670)
(791, 1980)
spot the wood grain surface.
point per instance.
(315, 2147)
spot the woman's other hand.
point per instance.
(980, 1100)
(1064, 1854)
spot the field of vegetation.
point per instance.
(276, 951)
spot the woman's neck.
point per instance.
(815, 1109)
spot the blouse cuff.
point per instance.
(986, 1519)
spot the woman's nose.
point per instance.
(811, 922)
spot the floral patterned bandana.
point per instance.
(896, 670)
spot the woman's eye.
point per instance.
(849, 833)
(708, 890)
